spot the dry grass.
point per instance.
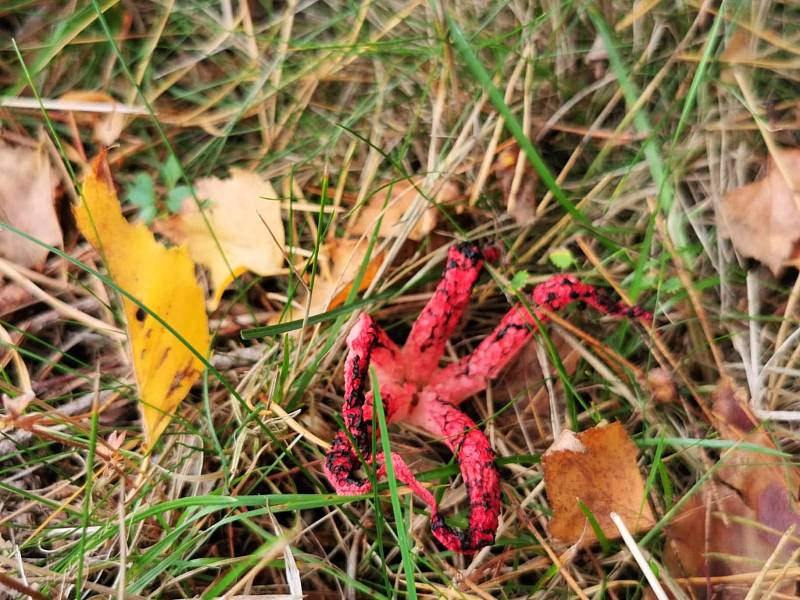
(644, 140)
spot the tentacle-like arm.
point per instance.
(436, 322)
(342, 459)
(469, 375)
(367, 344)
(476, 460)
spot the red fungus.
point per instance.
(416, 390)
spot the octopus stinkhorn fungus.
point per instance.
(415, 389)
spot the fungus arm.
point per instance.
(468, 376)
(435, 324)
(342, 458)
(476, 461)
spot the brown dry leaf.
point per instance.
(734, 522)
(163, 280)
(245, 216)
(108, 126)
(762, 219)
(597, 466)
(339, 263)
(27, 186)
(740, 49)
(402, 196)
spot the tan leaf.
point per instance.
(762, 219)
(598, 467)
(740, 48)
(107, 126)
(244, 214)
(339, 263)
(27, 187)
(394, 208)
(163, 280)
(733, 523)
(717, 534)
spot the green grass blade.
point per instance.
(87, 498)
(400, 524)
(513, 125)
(665, 195)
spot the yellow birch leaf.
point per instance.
(163, 279)
(27, 186)
(245, 217)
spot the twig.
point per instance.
(20, 587)
(71, 105)
(655, 585)
(65, 310)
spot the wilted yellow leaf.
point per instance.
(164, 281)
(394, 207)
(26, 202)
(338, 264)
(598, 467)
(245, 216)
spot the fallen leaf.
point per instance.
(740, 49)
(244, 215)
(598, 467)
(27, 187)
(733, 523)
(762, 219)
(717, 534)
(163, 280)
(394, 207)
(107, 126)
(339, 262)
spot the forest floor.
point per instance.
(611, 141)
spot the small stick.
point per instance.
(65, 310)
(639, 557)
(71, 105)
